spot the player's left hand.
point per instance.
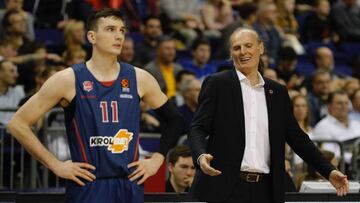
(340, 182)
(145, 168)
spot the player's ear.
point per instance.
(91, 36)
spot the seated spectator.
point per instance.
(271, 74)
(301, 108)
(337, 125)
(288, 26)
(345, 18)
(181, 78)
(355, 100)
(14, 29)
(324, 59)
(8, 49)
(33, 64)
(318, 96)
(351, 85)
(265, 27)
(183, 17)
(163, 68)
(29, 18)
(217, 15)
(72, 57)
(286, 68)
(127, 51)
(199, 64)
(181, 169)
(317, 26)
(190, 91)
(145, 51)
(10, 95)
(74, 36)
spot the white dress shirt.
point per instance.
(330, 128)
(257, 146)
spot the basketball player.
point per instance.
(101, 102)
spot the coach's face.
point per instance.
(246, 49)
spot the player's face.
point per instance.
(109, 36)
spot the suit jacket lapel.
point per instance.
(269, 95)
(238, 101)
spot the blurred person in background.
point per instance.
(181, 78)
(355, 100)
(74, 36)
(351, 85)
(181, 169)
(28, 17)
(14, 28)
(302, 112)
(337, 125)
(288, 25)
(345, 19)
(317, 25)
(265, 27)
(217, 15)
(71, 57)
(182, 17)
(190, 91)
(201, 51)
(286, 68)
(127, 52)
(145, 50)
(10, 93)
(163, 68)
(318, 96)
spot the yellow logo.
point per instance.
(121, 141)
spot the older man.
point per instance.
(248, 119)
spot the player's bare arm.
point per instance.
(59, 88)
(150, 92)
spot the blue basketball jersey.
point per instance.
(103, 125)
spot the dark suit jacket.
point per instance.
(220, 115)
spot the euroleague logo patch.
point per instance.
(88, 85)
(117, 144)
(125, 85)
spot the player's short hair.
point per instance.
(178, 151)
(93, 19)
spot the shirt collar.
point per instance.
(242, 77)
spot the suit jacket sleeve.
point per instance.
(300, 142)
(200, 127)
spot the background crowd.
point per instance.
(312, 47)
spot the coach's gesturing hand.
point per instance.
(340, 182)
(74, 170)
(145, 168)
(204, 163)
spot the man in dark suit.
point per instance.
(248, 119)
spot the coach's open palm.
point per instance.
(74, 170)
(205, 165)
(340, 182)
(145, 168)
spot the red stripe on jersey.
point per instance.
(108, 83)
(136, 149)
(78, 136)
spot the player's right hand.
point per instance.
(205, 165)
(74, 170)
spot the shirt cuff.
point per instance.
(198, 159)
